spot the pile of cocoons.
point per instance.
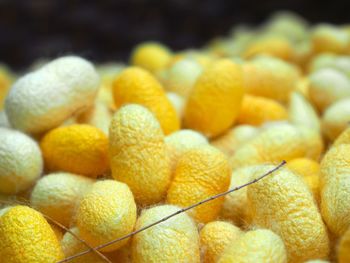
(90, 153)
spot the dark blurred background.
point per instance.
(107, 30)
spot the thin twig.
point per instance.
(174, 214)
(62, 227)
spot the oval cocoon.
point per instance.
(105, 213)
(175, 240)
(138, 154)
(21, 162)
(27, 237)
(215, 99)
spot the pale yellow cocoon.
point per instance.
(301, 112)
(175, 240)
(21, 162)
(178, 103)
(138, 154)
(215, 100)
(57, 195)
(42, 100)
(106, 213)
(270, 77)
(4, 122)
(258, 246)
(283, 203)
(327, 86)
(200, 173)
(181, 76)
(182, 141)
(277, 143)
(27, 237)
(229, 142)
(344, 248)
(329, 60)
(336, 119)
(343, 138)
(335, 185)
(215, 237)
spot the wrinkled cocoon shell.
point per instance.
(261, 245)
(344, 248)
(79, 148)
(21, 162)
(200, 173)
(215, 100)
(42, 100)
(215, 237)
(27, 237)
(175, 240)
(335, 185)
(336, 119)
(182, 141)
(277, 143)
(327, 86)
(283, 203)
(257, 110)
(106, 213)
(58, 195)
(229, 142)
(270, 77)
(138, 154)
(302, 113)
(136, 85)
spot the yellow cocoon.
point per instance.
(215, 99)
(234, 138)
(344, 248)
(106, 213)
(335, 184)
(27, 237)
(182, 141)
(175, 240)
(42, 100)
(181, 76)
(277, 143)
(270, 77)
(152, 56)
(258, 246)
(57, 195)
(178, 103)
(283, 203)
(327, 86)
(21, 162)
(302, 113)
(343, 138)
(6, 79)
(257, 110)
(136, 85)
(215, 237)
(78, 148)
(336, 119)
(138, 154)
(200, 173)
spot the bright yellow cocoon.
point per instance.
(262, 246)
(277, 143)
(200, 173)
(27, 237)
(57, 195)
(152, 56)
(229, 142)
(270, 77)
(257, 110)
(335, 184)
(215, 100)
(80, 149)
(106, 213)
(136, 85)
(215, 237)
(283, 203)
(175, 240)
(138, 154)
(344, 248)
